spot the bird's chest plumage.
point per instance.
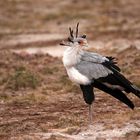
(70, 58)
(77, 77)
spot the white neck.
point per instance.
(71, 56)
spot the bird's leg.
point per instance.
(90, 114)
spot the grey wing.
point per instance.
(108, 62)
(93, 57)
(92, 70)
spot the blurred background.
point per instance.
(120, 18)
(37, 100)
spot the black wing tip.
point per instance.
(111, 65)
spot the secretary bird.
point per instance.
(92, 70)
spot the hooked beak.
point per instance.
(63, 43)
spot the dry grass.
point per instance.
(22, 79)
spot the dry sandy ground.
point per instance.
(39, 102)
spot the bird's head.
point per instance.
(75, 41)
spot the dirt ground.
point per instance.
(37, 100)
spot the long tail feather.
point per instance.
(135, 90)
(128, 85)
(115, 93)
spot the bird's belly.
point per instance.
(77, 77)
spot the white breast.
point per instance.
(77, 77)
(70, 58)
